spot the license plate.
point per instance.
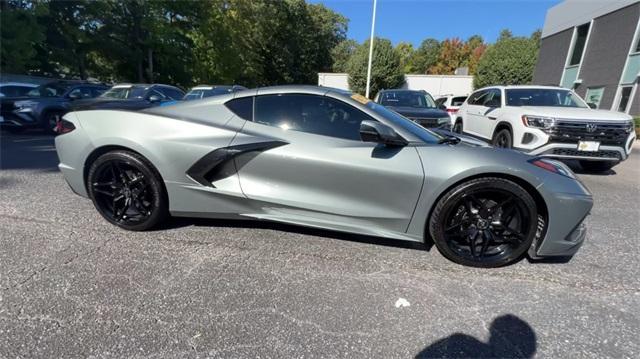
(588, 146)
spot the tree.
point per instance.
(20, 35)
(472, 51)
(341, 54)
(510, 61)
(385, 70)
(505, 34)
(405, 52)
(450, 58)
(425, 56)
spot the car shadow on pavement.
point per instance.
(576, 168)
(510, 337)
(179, 222)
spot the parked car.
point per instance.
(324, 158)
(418, 106)
(451, 104)
(132, 97)
(203, 91)
(15, 89)
(547, 121)
(45, 104)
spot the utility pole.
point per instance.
(373, 24)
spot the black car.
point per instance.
(202, 91)
(45, 104)
(132, 97)
(418, 106)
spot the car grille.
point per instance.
(425, 122)
(574, 131)
(576, 153)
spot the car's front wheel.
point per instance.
(484, 222)
(597, 166)
(127, 190)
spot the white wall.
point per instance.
(436, 85)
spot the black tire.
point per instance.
(457, 127)
(505, 218)
(50, 120)
(127, 191)
(503, 139)
(597, 166)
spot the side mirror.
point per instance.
(592, 105)
(154, 98)
(74, 96)
(374, 131)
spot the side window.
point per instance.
(82, 92)
(242, 107)
(441, 101)
(315, 114)
(492, 99)
(476, 97)
(458, 101)
(156, 93)
(173, 94)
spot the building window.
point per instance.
(578, 45)
(625, 95)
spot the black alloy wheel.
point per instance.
(503, 139)
(127, 191)
(486, 222)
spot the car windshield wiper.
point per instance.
(450, 140)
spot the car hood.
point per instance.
(576, 113)
(419, 112)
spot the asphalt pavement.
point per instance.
(72, 285)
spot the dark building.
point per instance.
(593, 47)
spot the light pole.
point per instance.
(373, 24)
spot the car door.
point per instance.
(472, 113)
(315, 168)
(489, 113)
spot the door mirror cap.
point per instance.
(154, 98)
(374, 131)
(592, 105)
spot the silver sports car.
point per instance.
(322, 158)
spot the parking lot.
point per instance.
(71, 285)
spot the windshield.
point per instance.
(123, 93)
(543, 97)
(412, 127)
(407, 99)
(49, 90)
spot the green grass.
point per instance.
(637, 121)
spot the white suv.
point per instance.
(547, 121)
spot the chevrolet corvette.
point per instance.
(323, 158)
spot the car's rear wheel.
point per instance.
(503, 139)
(485, 222)
(127, 190)
(597, 166)
(457, 127)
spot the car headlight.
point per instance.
(629, 127)
(553, 166)
(25, 106)
(444, 120)
(538, 121)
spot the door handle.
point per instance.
(492, 117)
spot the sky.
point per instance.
(414, 20)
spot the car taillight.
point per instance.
(452, 110)
(64, 126)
